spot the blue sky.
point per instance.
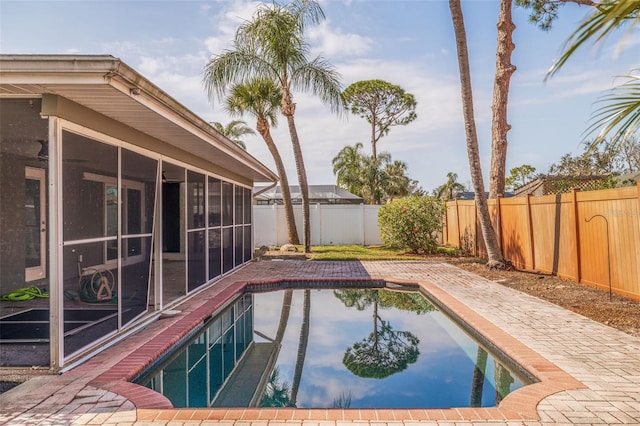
(408, 43)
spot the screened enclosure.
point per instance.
(104, 224)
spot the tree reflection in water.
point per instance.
(277, 393)
(385, 351)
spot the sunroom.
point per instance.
(116, 203)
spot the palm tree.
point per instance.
(234, 131)
(260, 98)
(347, 166)
(620, 115)
(450, 189)
(398, 184)
(272, 45)
(496, 260)
(277, 393)
(373, 177)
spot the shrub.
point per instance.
(411, 223)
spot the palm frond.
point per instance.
(307, 12)
(237, 128)
(606, 18)
(259, 97)
(273, 33)
(620, 114)
(218, 126)
(230, 67)
(321, 79)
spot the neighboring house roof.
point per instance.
(317, 194)
(555, 184)
(470, 195)
(628, 178)
(107, 85)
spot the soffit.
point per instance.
(130, 99)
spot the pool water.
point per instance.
(333, 348)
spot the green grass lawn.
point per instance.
(357, 252)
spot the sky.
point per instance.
(409, 43)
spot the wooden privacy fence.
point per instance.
(589, 237)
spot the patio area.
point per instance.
(589, 373)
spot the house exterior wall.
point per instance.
(20, 128)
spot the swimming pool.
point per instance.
(384, 347)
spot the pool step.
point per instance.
(246, 384)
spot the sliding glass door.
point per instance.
(108, 198)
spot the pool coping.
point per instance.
(518, 405)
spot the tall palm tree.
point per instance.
(496, 260)
(272, 45)
(260, 98)
(234, 131)
(620, 114)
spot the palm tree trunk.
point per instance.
(500, 127)
(302, 181)
(284, 316)
(477, 383)
(302, 347)
(292, 232)
(491, 241)
(503, 380)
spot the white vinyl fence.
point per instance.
(331, 224)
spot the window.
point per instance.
(133, 210)
(35, 230)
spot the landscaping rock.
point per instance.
(288, 248)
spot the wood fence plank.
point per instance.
(551, 234)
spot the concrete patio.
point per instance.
(589, 373)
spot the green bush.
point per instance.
(411, 223)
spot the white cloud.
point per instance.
(225, 22)
(148, 65)
(531, 89)
(124, 49)
(331, 42)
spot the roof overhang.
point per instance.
(107, 85)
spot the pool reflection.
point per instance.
(348, 348)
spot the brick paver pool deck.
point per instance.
(589, 373)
